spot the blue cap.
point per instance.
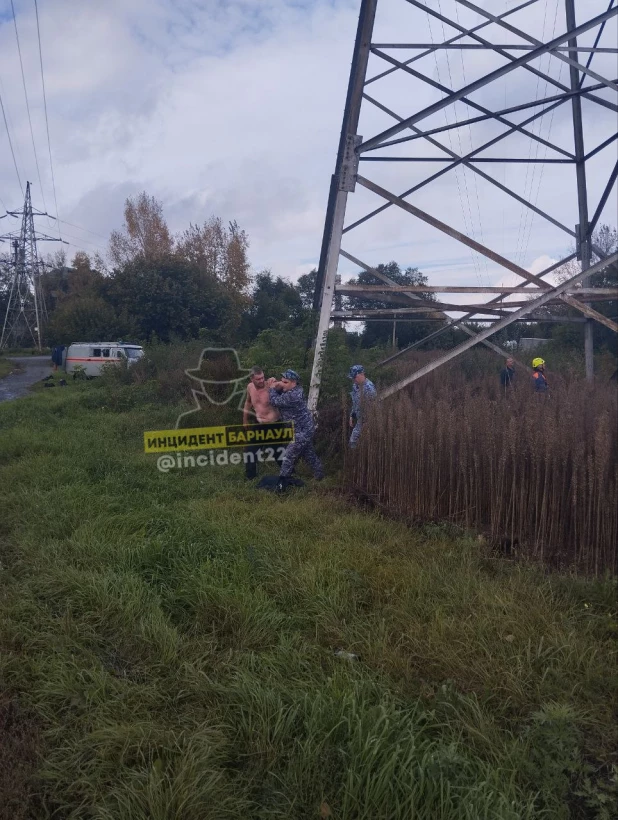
(355, 370)
(292, 375)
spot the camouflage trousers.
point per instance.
(355, 435)
(302, 447)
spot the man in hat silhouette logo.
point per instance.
(220, 378)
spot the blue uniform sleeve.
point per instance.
(370, 391)
(288, 399)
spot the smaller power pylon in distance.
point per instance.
(25, 307)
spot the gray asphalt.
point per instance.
(16, 385)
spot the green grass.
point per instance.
(166, 646)
(7, 367)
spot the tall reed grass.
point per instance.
(539, 470)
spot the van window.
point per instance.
(96, 351)
(106, 352)
(119, 354)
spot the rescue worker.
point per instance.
(287, 396)
(507, 376)
(538, 376)
(362, 390)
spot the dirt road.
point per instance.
(33, 369)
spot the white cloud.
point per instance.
(233, 107)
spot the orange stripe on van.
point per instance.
(97, 359)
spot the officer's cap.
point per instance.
(355, 370)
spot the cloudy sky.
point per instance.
(233, 108)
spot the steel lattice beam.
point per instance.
(25, 310)
(353, 148)
(484, 334)
(493, 75)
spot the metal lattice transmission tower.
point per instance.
(25, 312)
(494, 117)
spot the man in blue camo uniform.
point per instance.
(287, 396)
(363, 390)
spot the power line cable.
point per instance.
(530, 167)
(12, 129)
(449, 137)
(465, 170)
(23, 77)
(84, 242)
(538, 190)
(79, 227)
(51, 163)
(8, 133)
(530, 215)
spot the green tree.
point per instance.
(85, 319)
(63, 282)
(219, 254)
(275, 303)
(380, 332)
(168, 298)
(306, 288)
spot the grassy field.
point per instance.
(167, 646)
(7, 367)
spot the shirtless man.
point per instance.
(257, 408)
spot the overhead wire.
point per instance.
(464, 169)
(523, 214)
(597, 40)
(80, 228)
(537, 168)
(581, 82)
(23, 77)
(51, 162)
(467, 218)
(540, 179)
(83, 242)
(8, 133)
(530, 215)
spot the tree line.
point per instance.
(154, 286)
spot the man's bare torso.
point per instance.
(262, 407)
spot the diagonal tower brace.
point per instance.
(353, 149)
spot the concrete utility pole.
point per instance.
(25, 311)
(543, 91)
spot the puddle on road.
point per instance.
(17, 385)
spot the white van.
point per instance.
(93, 356)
